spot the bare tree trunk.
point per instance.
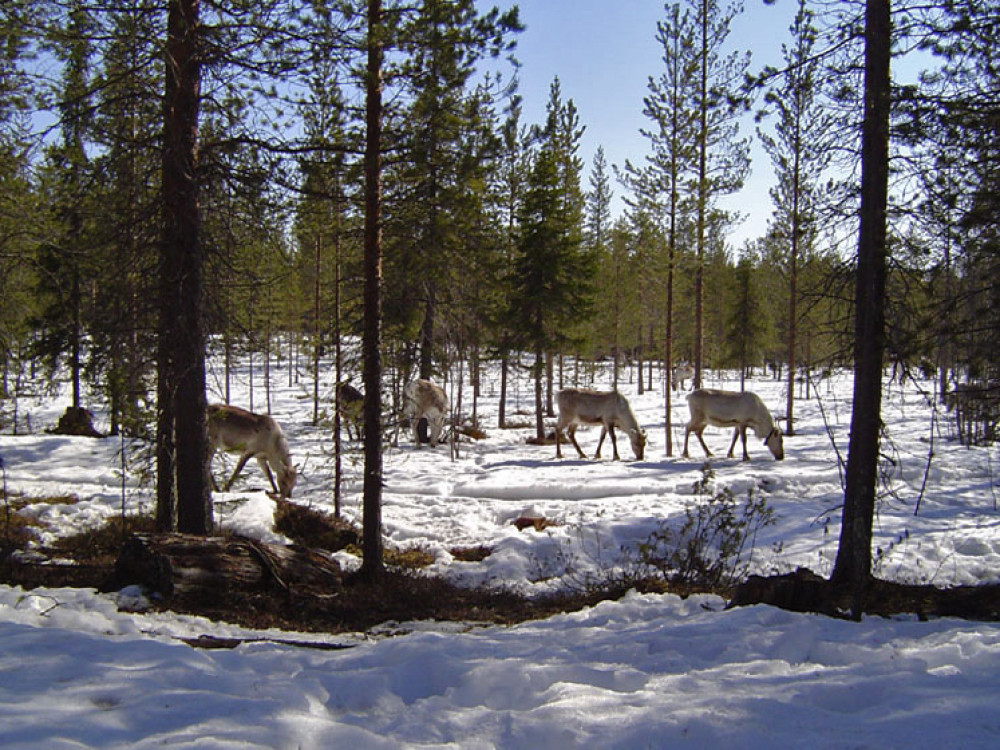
(373, 564)
(338, 362)
(317, 257)
(504, 368)
(853, 565)
(183, 449)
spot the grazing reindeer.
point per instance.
(732, 409)
(254, 436)
(609, 409)
(349, 404)
(425, 399)
(681, 373)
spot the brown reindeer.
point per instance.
(609, 409)
(233, 429)
(350, 402)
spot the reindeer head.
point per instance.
(774, 443)
(286, 480)
(638, 438)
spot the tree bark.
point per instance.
(853, 565)
(183, 484)
(373, 564)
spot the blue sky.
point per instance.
(604, 51)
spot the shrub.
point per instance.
(713, 548)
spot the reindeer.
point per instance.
(732, 409)
(609, 409)
(681, 372)
(257, 436)
(349, 404)
(425, 399)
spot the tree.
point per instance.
(950, 123)
(599, 204)
(669, 106)
(747, 318)
(722, 158)
(183, 486)
(552, 274)
(510, 179)
(65, 258)
(127, 183)
(372, 564)
(17, 242)
(799, 151)
(442, 43)
(854, 555)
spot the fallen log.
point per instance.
(184, 568)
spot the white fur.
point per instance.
(732, 409)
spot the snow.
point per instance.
(83, 669)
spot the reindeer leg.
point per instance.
(211, 475)
(702, 441)
(743, 434)
(571, 431)
(604, 431)
(266, 468)
(614, 443)
(236, 472)
(736, 433)
(558, 449)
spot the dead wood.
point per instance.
(186, 568)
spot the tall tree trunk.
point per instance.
(183, 453)
(854, 558)
(373, 564)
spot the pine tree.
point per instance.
(854, 554)
(800, 151)
(183, 487)
(67, 260)
(722, 157)
(122, 342)
(372, 564)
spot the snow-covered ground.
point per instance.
(649, 671)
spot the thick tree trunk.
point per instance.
(853, 564)
(182, 451)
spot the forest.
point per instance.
(275, 178)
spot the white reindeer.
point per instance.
(681, 373)
(425, 399)
(233, 429)
(609, 409)
(732, 409)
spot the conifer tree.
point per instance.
(800, 151)
(854, 553)
(722, 158)
(670, 166)
(443, 41)
(552, 273)
(66, 262)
